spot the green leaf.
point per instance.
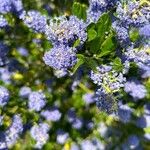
(91, 34)
(117, 64)
(79, 63)
(79, 10)
(108, 46)
(97, 33)
(94, 45)
(103, 25)
(91, 63)
(134, 35)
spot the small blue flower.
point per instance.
(3, 22)
(133, 141)
(105, 102)
(34, 20)
(4, 96)
(135, 89)
(60, 57)
(24, 92)
(66, 31)
(88, 98)
(36, 101)
(16, 128)
(53, 114)
(108, 79)
(145, 31)
(62, 136)
(124, 113)
(40, 134)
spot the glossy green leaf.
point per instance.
(91, 34)
(117, 64)
(79, 10)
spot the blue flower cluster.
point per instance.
(14, 6)
(99, 53)
(97, 8)
(60, 57)
(4, 96)
(40, 134)
(11, 135)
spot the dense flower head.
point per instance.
(34, 20)
(1, 120)
(124, 113)
(23, 51)
(140, 56)
(122, 33)
(5, 6)
(60, 57)
(147, 108)
(144, 70)
(3, 53)
(62, 136)
(16, 128)
(108, 79)
(3, 49)
(24, 92)
(77, 123)
(88, 98)
(135, 89)
(5, 75)
(3, 22)
(53, 114)
(66, 30)
(98, 7)
(4, 96)
(145, 31)
(93, 144)
(40, 134)
(36, 101)
(105, 102)
(14, 6)
(133, 13)
(133, 141)
(143, 121)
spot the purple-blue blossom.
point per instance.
(23, 51)
(108, 79)
(143, 121)
(61, 136)
(5, 6)
(52, 114)
(14, 6)
(77, 123)
(140, 56)
(124, 113)
(105, 102)
(145, 31)
(133, 141)
(97, 8)
(13, 132)
(4, 96)
(40, 134)
(133, 13)
(66, 30)
(122, 33)
(24, 92)
(88, 98)
(34, 20)
(60, 57)
(36, 101)
(135, 89)
(3, 22)
(93, 144)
